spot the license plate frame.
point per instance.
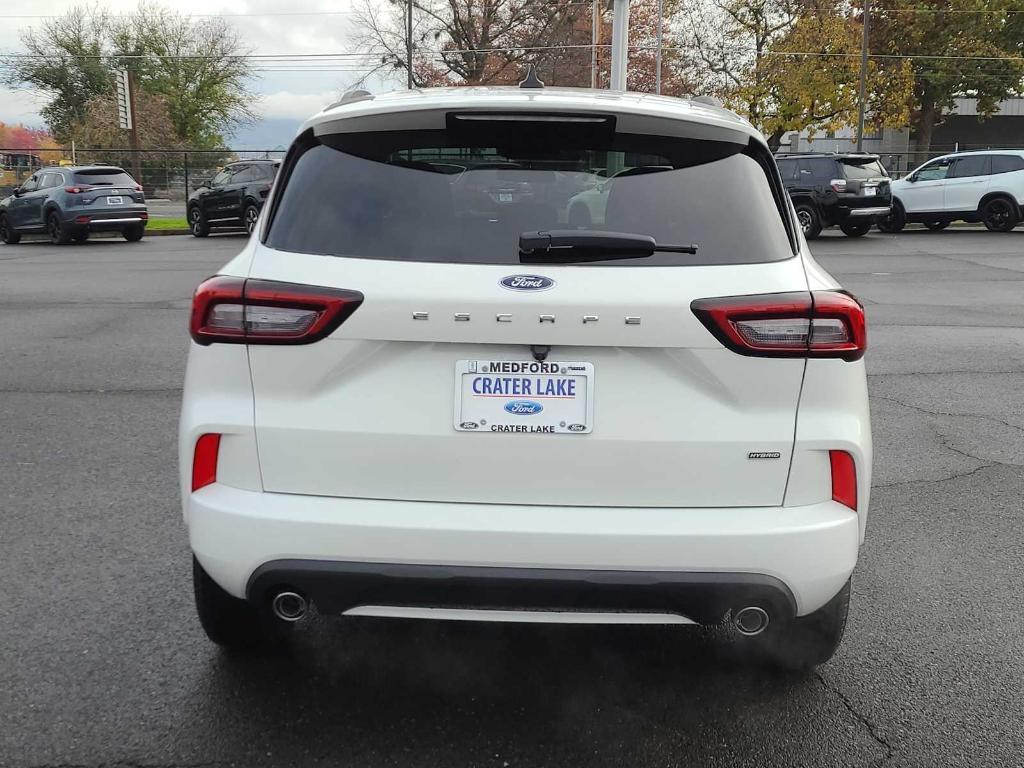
(537, 405)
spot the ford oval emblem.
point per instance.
(527, 283)
(523, 407)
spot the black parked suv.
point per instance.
(849, 189)
(233, 198)
(68, 202)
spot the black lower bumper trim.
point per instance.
(335, 587)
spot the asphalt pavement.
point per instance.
(102, 661)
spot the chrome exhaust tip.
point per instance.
(751, 620)
(289, 606)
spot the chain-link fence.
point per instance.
(163, 173)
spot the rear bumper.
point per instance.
(679, 558)
(857, 213)
(107, 220)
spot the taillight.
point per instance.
(817, 324)
(234, 310)
(838, 185)
(144, 216)
(77, 190)
(204, 461)
(844, 478)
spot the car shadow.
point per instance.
(463, 691)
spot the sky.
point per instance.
(267, 26)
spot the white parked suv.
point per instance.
(985, 186)
(418, 392)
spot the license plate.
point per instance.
(115, 201)
(524, 397)
(870, 191)
(505, 197)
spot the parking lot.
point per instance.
(103, 663)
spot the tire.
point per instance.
(856, 230)
(810, 221)
(80, 236)
(7, 233)
(59, 234)
(936, 226)
(808, 641)
(999, 215)
(250, 217)
(134, 233)
(229, 622)
(197, 222)
(894, 222)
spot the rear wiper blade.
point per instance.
(573, 246)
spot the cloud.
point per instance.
(296, 106)
(20, 107)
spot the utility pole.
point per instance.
(863, 75)
(620, 44)
(408, 45)
(657, 64)
(595, 35)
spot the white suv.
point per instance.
(418, 392)
(983, 186)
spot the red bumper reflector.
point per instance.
(204, 463)
(81, 220)
(844, 478)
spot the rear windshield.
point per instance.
(862, 169)
(466, 196)
(114, 177)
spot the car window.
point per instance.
(934, 171)
(221, 178)
(1007, 163)
(244, 175)
(857, 169)
(818, 168)
(104, 177)
(31, 184)
(464, 197)
(48, 180)
(788, 169)
(975, 165)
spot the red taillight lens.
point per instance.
(838, 185)
(144, 216)
(82, 219)
(818, 324)
(78, 189)
(234, 310)
(204, 462)
(844, 478)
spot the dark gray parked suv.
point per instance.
(69, 202)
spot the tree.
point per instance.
(957, 48)
(99, 128)
(198, 65)
(63, 57)
(794, 65)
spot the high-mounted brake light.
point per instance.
(844, 478)
(817, 324)
(204, 461)
(233, 310)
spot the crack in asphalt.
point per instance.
(869, 726)
(132, 764)
(942, 373)
(140, 390)
(955, 476)
(949, 413)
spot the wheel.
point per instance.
(80, 236)
(197, 222)
(999, 215)
(805, 642)
(250, 217)
(59, 234)
(856, 230)
(7, 233)
(229, 622)
(134, 233)
(936, 226)
(894, 222)
(810, 221)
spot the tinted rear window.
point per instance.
(466, 196)
(1007, 163)
(860, 169)
(104, 176)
